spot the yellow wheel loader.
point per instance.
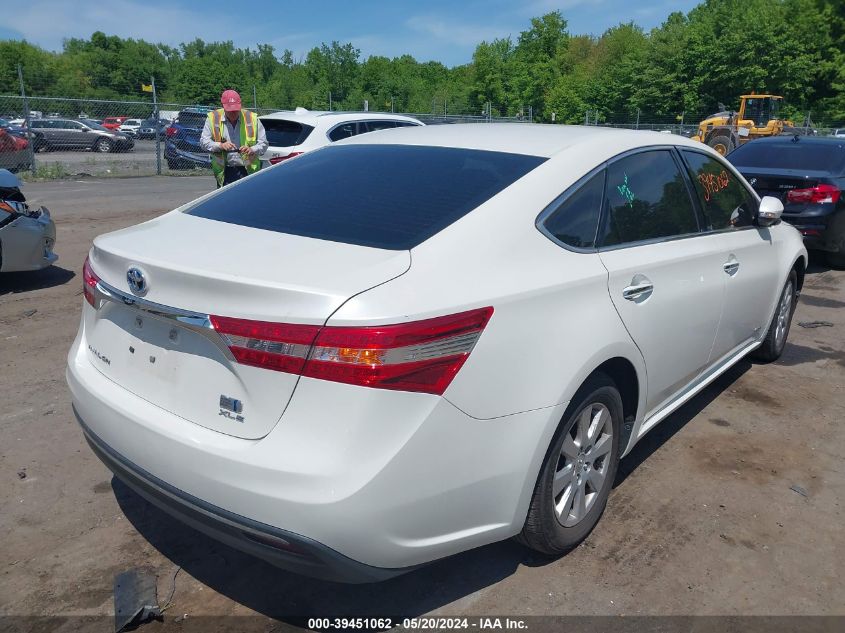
(758, 116)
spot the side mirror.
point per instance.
(770, 211)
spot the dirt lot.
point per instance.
(704, 518)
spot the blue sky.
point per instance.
(442, 30)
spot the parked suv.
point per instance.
(130, 127)
(290, 134)
(182, 148)
(419, 341)
(77, 134)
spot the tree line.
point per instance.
(690, 63)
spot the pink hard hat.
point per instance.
(231, 100)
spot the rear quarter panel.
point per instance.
(553, 321)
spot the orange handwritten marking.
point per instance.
(713, 184)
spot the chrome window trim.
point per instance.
(193, 321)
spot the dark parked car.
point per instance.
(77, 134)
(808, 175)
(150, 127)
(182, 141)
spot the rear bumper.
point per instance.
(279, 547)
(369, 483)
(820, 232)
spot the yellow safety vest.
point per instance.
(249, 137)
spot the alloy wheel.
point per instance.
(583, 464)
(784, 313)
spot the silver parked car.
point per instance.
(27, 236)
(77, 134)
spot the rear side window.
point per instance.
(575, 221)
(646, 198)
(725, 201)
(385, 196)
(343, 131)
(800, 155)
(192, 119)
(281, 133)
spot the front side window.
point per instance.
(726, 203)
(646, 198)
(575, 221)
(373, 126)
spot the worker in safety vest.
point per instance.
(235, 139)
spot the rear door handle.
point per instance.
(731, 266)
(638, 291)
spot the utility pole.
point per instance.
(391, 104)
(638, 120)
(531, 114)
(155, 117)
(30, 137)
(254, 98)
(330, 101)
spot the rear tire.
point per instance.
(836, 260)
(578, 472)
(103, 145)
(775, 341)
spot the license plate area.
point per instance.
(184, 372)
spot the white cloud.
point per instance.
(48, 22)
(453, 32)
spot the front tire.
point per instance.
(775, 341)
(721, 143)
(578, 472)
(103, 145)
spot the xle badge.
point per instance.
(231, 408)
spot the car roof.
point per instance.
(522, 138)
(312, 117)
(790, 139)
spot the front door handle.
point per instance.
(638, 292)
(731, 266)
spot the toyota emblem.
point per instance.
(137, 281)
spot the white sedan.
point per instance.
(416, 342)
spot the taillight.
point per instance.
(171, 131)
(277, 346)
(278, 159)
(89, 281)
(819, 194)
(422, 356)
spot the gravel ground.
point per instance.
(733, 505)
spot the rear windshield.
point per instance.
(385, 196)
(827, 157)
(281, 133)
(192, 119)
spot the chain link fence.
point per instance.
(54, 137)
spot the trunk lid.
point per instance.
(779, 182)
(204, 267)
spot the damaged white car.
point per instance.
(27, 236)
